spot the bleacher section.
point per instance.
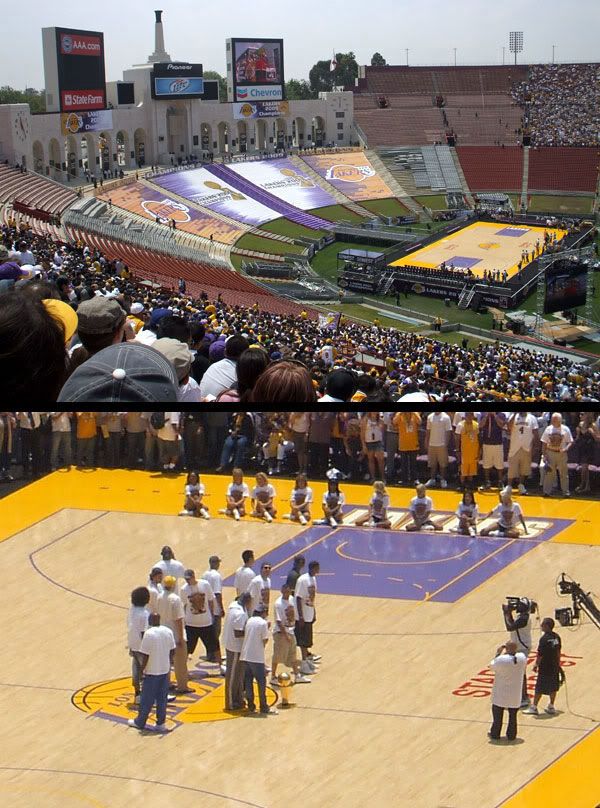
(492, 168)
(440, 80)
(477, 119)
(563, 169)
(401, 125)
(34, 191)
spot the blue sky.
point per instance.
(196, 31)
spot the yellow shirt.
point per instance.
(407, 425)
(86, 424)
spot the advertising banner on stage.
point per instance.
(151, 204)
(202, 187)
(260, 109)
(351, 173)
(285, 181)
(74, 123)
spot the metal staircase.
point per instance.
(386, 281)
(466, 296)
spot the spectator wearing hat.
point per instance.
(102, 323)
(215, 579)
(137, 316)
(10, 270)
(148, 334)
(233, 637)
(256, 637)
(180, 357)
(126, 373)
(222, 375)
(170, 608)
(157, 652)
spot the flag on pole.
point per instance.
(333, 63)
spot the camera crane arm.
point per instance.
(582, 602)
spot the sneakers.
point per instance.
(531, 710)
(131, 723)
(186, 513)
(236, 514)
(270, 711)
(314, 657)
(550, 709)
(472, 531)
(306, 667)
(522, 490)
(268, 517)
(302, 680)
(302, 519)
(443, 484)
(204, 513)
(333, 522)
(430, 483)
(161, 728)
(223, 669)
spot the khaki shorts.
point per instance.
(519, 464)
(437, 456)
(284, 651)
(492, 456)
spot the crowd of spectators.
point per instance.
(442, 448)
(70, 317)
(562, 104)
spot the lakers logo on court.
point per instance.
(113, 701)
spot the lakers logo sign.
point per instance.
(488, 245)
(113, 701)
(349, 173)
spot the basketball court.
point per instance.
(407, 624)
(480, 247)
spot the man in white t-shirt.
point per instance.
(172, 615)
(556, 442)
(154, 586)
(437, 437)
(244, 574)
(284, 639)
(304, 597)
(233, 637)
(256, 637)
(198, 603)
(523, 430)
(214, 578)
(170, 566)
(260, 587)
(509, 668)
(157, 652)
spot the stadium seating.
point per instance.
(492, 168)
(440, 80)
(34, 190)
(554, 168)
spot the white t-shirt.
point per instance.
(167, 432)
(379, 504)
(170, 609)
(439, 426)
(263, 492)
(557, 437)
(196, 599)
(62, 422)
(421, 507)
(306, 589)
(300, 421)
(521, 436)
(468, 511)
(155, 590)
(302, 496)
(216, 584)
(285, 613)
(253, 648)
(508, 679)
(194, 490)
(373, 431)
(260, 590)
(237, 491)
(137, 623)
(333, 500)
(172, 567)
(243, 577)
(507, 516)
(235, 620)
(158, 642)
(327, 354)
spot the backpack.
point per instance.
(157, 419)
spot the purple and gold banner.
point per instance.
(351, 173)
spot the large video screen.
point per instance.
(566, 286)
(172, 80)
(81, 76)
(258, 69)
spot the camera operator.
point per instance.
(547, 666)
(509, 667)
(520, 631)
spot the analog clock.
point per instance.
(22, 126)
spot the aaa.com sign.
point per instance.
(80, 45)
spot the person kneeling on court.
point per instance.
(377, 515)
(420, 509)
(157, 654)
(507, 514)
(509, 668)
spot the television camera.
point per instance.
(581, 602)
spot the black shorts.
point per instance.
(548, 681)
(304, 634)
(208, 636)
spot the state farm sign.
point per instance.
(82, 99)
(80, 45)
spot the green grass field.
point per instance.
(283, 227)
(540, 203)
(251, 241)
(386, 207)
(338, 213)
(433, 201)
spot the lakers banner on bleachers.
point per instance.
(351, 173)
(260, 109)
(285, 180)
(73, 123)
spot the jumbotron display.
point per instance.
(80, 66)
(257, 69)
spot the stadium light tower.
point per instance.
(515, 43)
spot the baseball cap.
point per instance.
(169, 581)
(157, 316)
(177, 353)
(64, 314)
(213, 558)
(189, 574)
(136, 308)
(125, 372)
(100, 315)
